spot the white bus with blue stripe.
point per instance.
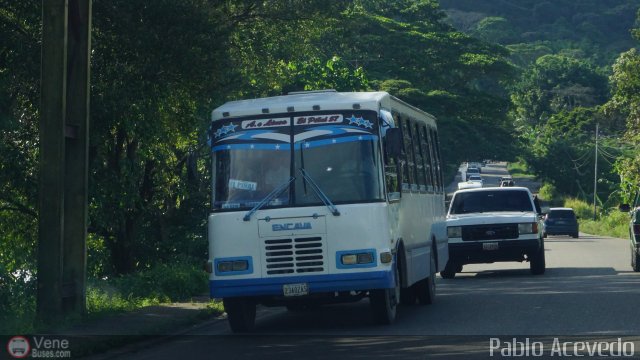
(324, 197)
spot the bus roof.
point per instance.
(306, 100)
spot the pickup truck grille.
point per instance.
(489, 232)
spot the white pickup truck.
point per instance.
(494, 224)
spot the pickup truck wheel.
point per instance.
(384, 302)
(241, 313)
(426, 288)
(537, 261)
(449, 271)
(635, 260)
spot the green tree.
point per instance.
(625, 83)
(556, 83)
(19, 96)
(495, 29)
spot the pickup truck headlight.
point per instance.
(454, 231)
(528, 228)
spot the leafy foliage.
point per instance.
(556, 83)
(590, 30)
(625, 82)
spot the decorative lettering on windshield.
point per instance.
(322, 119)
(265, 123)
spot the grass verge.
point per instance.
(162, 284)
(519, 169)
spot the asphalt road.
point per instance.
(588, 293)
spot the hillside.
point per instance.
(593, 30)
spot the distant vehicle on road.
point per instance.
(469, 185)
(505, 183)
(476, 178)
(472, 171)
(475, 165)
(503, 178)
(560, 221)
(634, 231)
(494, 224)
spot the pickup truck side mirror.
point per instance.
(536, 203)
(624, 207)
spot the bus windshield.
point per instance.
(255, 155)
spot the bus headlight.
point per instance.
(365, 258)
(454, 231)
(349, 259)
(357, 257)
(240, 265)
(233, 266)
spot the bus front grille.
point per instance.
(294, 256)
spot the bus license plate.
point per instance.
(295, 289)
(490, 246)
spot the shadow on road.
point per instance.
(553, 272)
(344, 347)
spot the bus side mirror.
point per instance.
(624, 207)
(394, 142)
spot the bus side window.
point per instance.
(407, 162)
(434, 165)
(436, 144)
(419, 158)
(391, 175)
(424, 142)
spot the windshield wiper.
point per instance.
(277, 191)
(325, 199)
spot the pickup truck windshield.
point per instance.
(491, 201)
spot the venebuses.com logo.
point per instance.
(20, 347)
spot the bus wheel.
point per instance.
(384, 302)
(427, 287)
(241, 313)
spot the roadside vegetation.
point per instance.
(574, 84)
(162, 284)
(519, 169)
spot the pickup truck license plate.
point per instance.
(490, 246)
(295, 289)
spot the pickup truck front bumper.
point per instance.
(474, 252)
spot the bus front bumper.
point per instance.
(316, 284)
